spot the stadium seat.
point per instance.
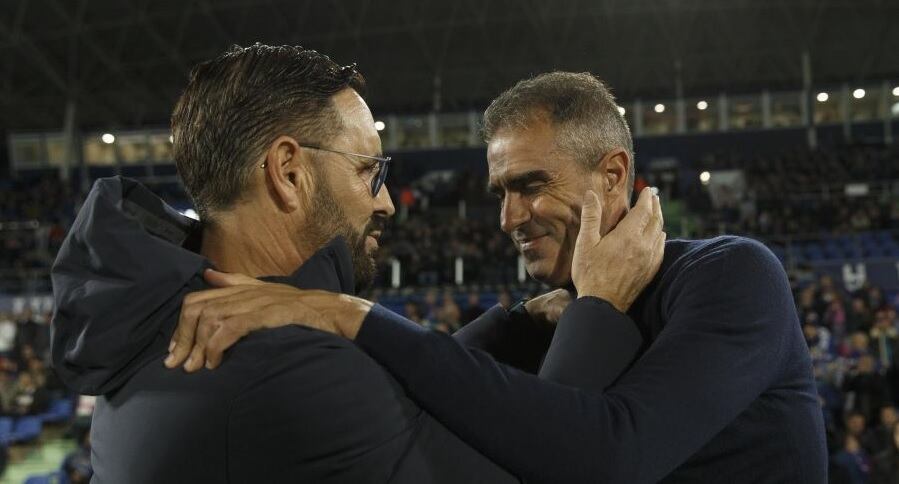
(59, 411)
(52, 478)
(26, 429)
(6, 425)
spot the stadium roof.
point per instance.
(124, 62)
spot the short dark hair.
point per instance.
(235, 105)
(579, 105)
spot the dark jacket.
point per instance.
(722, 392)
(287, 405)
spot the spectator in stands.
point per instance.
(886, 463)
(868, 386)
(474, 308)
(859, 315)
(450, 316)
(77, 465)
(835, 317)
(880, 438)
(884, 338)
(853, 460)
(30, 398)
(7, 393)
(7, 333)
(412, 311)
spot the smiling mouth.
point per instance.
(531, 243)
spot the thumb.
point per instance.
(591, 219)
(225, 279)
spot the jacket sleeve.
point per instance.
(729, 316)
(510, 337)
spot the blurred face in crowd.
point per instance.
(859, 342)
(888, 416)
(855, 424)
(866, 364)
(541, 190)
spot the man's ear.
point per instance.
(288, 174)
(614, 168)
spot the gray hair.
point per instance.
(581, 108)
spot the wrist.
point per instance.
(352, 314)
(615, 301)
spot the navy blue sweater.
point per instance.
(722, 389)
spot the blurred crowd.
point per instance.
(34, 217)
(833, 191)
(853, 339)
(26, 384)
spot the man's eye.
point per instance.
(532, 188)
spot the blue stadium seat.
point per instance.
(59, 411)
(6, 425)
(26, 429)
(52, 478)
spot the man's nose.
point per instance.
(514, 212)
(383, 203)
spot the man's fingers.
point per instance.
(225, 279)
(209, 324)
(231, 331)
(591, 219)
(656, 221)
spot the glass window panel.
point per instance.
(413, 132)
(27, 151)
(133, 148)
(453, 129)
(827, 106)
(98, 153)
(655, 122)
(702, 114)
(786, 110)
(865, 108)
(160, 148)
(745, 112)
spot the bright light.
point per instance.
(171, 139)
(621, 108)
(108, 138)
(895, 109)
(379, 125)
(702, 105)
(704, 177)
(191, 213)
(660, 108)
(858, 93)
(822, 97)
(896, 91)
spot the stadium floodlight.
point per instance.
(622, 111)
(705, 177)
(660, 108)
(858, 93)
(896, 91)
(108, 138)
(379, 125)
(702, 105)
(822, 97)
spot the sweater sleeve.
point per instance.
(728, 317)
(510, 337)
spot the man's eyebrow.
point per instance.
(518, 181)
